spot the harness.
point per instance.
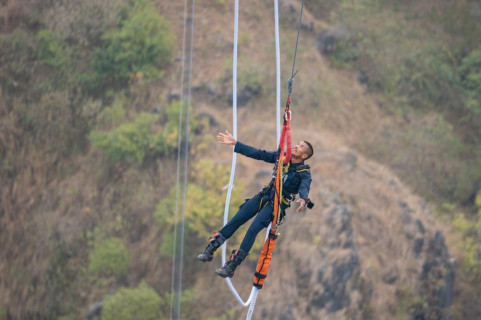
(287, 197)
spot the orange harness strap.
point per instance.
(266, 253)
(264, 260)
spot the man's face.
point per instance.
(300, 149)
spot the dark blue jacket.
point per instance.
(294, 182)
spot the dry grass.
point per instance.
(331, 109)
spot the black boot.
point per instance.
(215, 242)
(228, 269)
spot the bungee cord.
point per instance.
(234, 157)
(253, 295)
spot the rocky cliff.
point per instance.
(368, 244)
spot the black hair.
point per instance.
(310, 150)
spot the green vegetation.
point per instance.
(136, 303)
(422, 75)
(229, 314)
(130, 141)
(53, 51)
(205, 200)
(470, 228)
(187, 301)
(141, 47)
(87, 139)
(204, 210)
(146, 135)
(470, 72)
(109, 258)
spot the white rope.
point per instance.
(234, 133)
(177, 185)
(176, 280)
(253, 302)
(253, 295)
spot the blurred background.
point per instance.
(388, 93)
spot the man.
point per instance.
(297, 179)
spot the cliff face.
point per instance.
(367, 250)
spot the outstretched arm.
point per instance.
(248, 151)
(226, 138)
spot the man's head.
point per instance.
(303, 150)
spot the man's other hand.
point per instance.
(302, 204)
(226, 138)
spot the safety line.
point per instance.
(297, 40)
(177, 185)
(278, 70)
(186, 151)
(176, 280)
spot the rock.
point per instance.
(335, 297)
(334, 274)
(420, 226)
(351, 159)
(418, 246)
(340, 220)
(95, 310)
(328, 38)
(363, 77)
(389, 277)
(289, 11)
(406, 216)
(437, 281)
(210, 118)
(245, 94)
(212, 89)
(174, 96)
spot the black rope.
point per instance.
(291, 79)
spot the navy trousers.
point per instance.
(246, 211)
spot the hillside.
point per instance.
(88, 145)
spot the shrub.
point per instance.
(19, 54)
(51, 49)
(147, 135)
(470, 72)
(470, 228)
(188, 301)
(52, 122)
(136, 303)
(170, 118)
(82, 22)
(204, 208)
(130, 141)
(109, 258)
(417, 73)
(205, 199)
(144, 44)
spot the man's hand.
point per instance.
(226, 138)
(302, 204)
